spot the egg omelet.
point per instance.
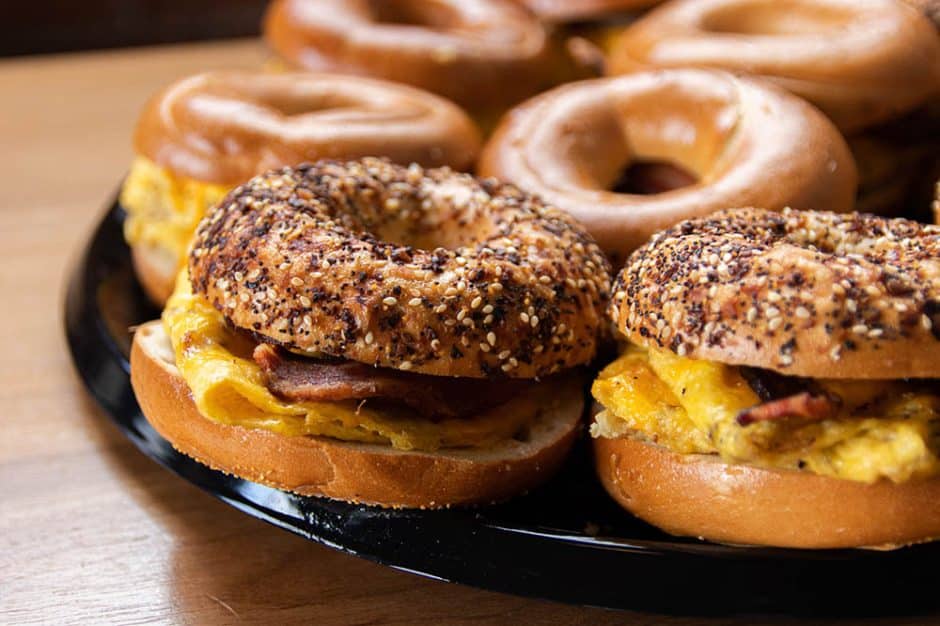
(229, 388)
(884, 429)
(163, 209)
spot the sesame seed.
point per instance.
(435, 344)
(925, 322)
(476, 302)
(485, 347)
(860, 329)
(775, 323)
(802, 312)
(488, 309)
(389, 301)
(491, 338)
(414, 302)
(405, 365)
(534, 321)
(524, 317)
(504, 355)
(296, 281)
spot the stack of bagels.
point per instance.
(390, 258)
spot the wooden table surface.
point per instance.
(91, 531)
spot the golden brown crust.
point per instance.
(423, 270)
(936, 203)
(225, 127)
(701, 496)
(367, 473)
(156, 271)
(860, 62)
(582, 10)
(483, 54)
(748, 143)
(930, 8)
(805, 293)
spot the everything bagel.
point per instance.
(743, 141)
(861, 63)
(779, 382)
(420, 270)
(806, 293)
(204, 134)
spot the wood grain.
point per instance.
(91, 531)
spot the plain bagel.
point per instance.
(482, 54)
(745, 142)
(861, 63)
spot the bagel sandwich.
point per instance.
(202, 135)
(778, 383)
(379, 334)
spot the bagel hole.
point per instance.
(770, 17)
(651, 177)
(410, 13)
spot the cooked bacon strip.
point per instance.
(302, 379)
(804, 405)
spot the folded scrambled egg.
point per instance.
(163, 209)
(228, 387)
(691, 406)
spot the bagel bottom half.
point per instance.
(156, 269)
(702, 496)
(353, 472)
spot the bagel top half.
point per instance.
(424, 270)
(803, 293)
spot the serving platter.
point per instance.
(566, 541)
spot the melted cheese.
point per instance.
(163, 210)
(228, 387)
(691, 406)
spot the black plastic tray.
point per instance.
(566, 541)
